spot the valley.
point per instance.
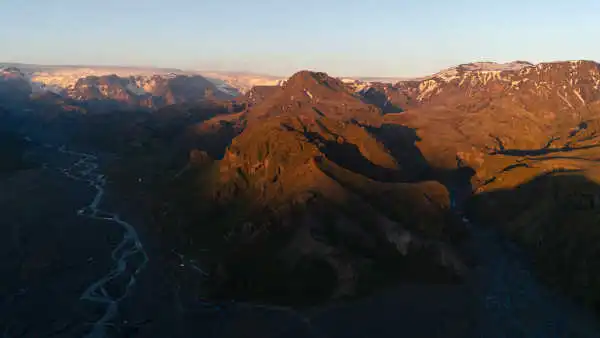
(461, 204)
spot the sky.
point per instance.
(342, 37)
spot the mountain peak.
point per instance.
(310, 94)
(307, 79)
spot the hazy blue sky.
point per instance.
(342, 37)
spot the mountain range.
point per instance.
(335, 187)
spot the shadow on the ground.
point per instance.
(555, 217)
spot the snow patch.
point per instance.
(308, 93)
(362, 88)
(564, 98)
(225, 88)
(578, 94)
(448, 74)
(426, 88)
(480, 67)
(135, 89)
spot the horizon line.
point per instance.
(249, 72)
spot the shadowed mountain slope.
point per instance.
(306, 200)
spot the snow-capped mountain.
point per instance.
(124, 87)
(60, 79)
(572, 83)
(151, 92)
